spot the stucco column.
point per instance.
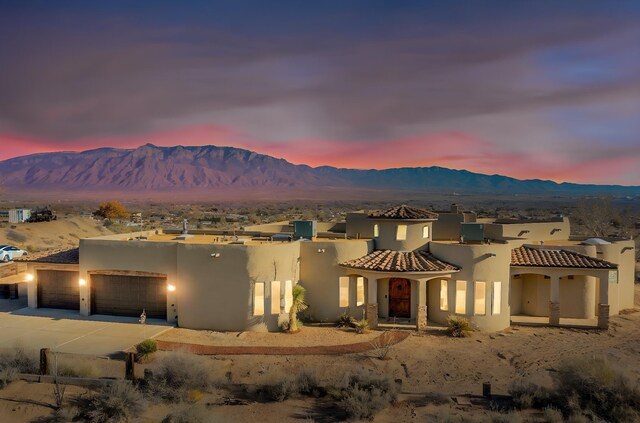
(421, 315)
(554, 301)
(603, 304)
(372, 303)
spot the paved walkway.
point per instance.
(394, 337)
(68, 332)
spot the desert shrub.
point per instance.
(345, 320)
(19, 360)
(381, 346)
(590, 387)
(594, 386)
(77, 369)
(528, 395)
(279, 390)
(361, 326)
(146, 348)
(118, 402)
(16, 236)
(363, 395)
(459, 327)
(307, 384)
(553, 415)
(175, 375)
(187, 413)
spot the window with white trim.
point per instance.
(275, 297)
(496, 302)
(258, 299)
(344, 291)
(425, 231)
(376, 230)
(461, 297)
(288, 296)
(401, 233)
(359, 291)
(480, 299)
(444, 295)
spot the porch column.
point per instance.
(421, 315)
(554, 301)
(372, 303)
(603, 304)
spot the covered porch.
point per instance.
(560, 287)
(398, 286)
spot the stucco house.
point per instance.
(403, 265)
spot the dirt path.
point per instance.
(386, 338)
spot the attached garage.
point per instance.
(58, 289)
(128, 295)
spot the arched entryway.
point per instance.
(399, 297)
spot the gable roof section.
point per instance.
(400, 261)
(404, 212)
(69, 256)
(540, 257)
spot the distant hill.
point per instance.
(222, 170)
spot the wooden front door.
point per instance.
(399, 297)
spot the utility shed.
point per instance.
(19, 215)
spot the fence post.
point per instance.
(129, 369)
(44, 363)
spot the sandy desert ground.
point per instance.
(61, 233)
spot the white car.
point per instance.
(9, 252)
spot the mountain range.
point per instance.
(224, 170)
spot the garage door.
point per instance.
(121, 295)
(58, 289)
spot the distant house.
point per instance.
(19, 215)
(401, 266)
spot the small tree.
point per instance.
(112, 210)
(297, 305)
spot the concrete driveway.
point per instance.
(66, 331)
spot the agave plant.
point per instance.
(297, 305)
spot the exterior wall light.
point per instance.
(82, 282)
(171, 288)
(321, 250)
(215, 255)
(29, 277)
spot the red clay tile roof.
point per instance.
(398, 261)
(69, 256)
(541, 257)
(405, 213)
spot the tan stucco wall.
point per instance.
(217, 293)
(387, 235)
(320, 275)
(537, 231)
(447, 227)
(359, 225)
(476, 264)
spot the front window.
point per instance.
(461, 297)
(360, 291)
(275, 297)
(480, 306)
(288, 295)
(344, 291)
(401, 233)
(444, 296)
(497, 298)
(258, 299)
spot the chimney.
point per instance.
(455, 208)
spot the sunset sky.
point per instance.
(530, 89)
